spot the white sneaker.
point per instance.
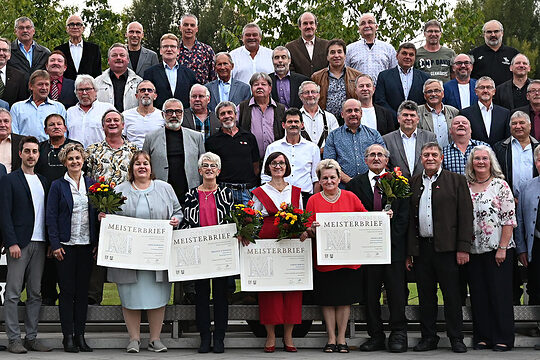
(133, 346)
(157, 346)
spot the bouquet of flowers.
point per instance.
(291, 221)
(248, 221)
(394, 185)
(103, 198)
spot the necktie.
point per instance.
(54, 90)
(537, 125)
(377, 196)
(2, 85)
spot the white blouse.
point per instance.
(80, 221)
(277, 197)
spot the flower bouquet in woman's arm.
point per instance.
(291, 221)
(248, 221)
(394, 186)
(103, 198)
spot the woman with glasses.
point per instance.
(206, 205)
(277, 307)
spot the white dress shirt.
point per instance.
(136, 126)
(425, 210)
(522, 164)
(172, 74)
(76, 53)
(245, 66)
(314, 126)
(85, 127)
(440, 126)
(409, 144)
(486, 116)
(406, 80)
(277, 197)
(80, 222)
(309, 44)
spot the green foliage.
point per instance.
(531, 51)
(463, 30)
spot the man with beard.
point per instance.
(286, 82)
(145, 118)
(459, 92)
(493, 58)
(434, 58)
(198, 117)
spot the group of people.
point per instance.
(314, 124)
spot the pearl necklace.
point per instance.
(331, 200)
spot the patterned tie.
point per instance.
(537, 125)
(54, 89)
(377, 196)
(2, 85)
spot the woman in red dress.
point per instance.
(277, 307)
(333, 284)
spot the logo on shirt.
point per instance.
(506, 61)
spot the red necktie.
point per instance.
(54, 90)
(377, 196)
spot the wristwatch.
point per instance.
(503, 247)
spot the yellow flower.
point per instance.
(98, 189)
(295, 217)
(105, 189)
(292, 222)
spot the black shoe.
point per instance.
(397, 343)
(69, 344)
(481, 346)
(92, 301)
(81, 343)
(2, 348)
(458, 346)
(219, 346)
(205, 344)
(537, 347)
(373, 344)
(427, 344)
(502, 348)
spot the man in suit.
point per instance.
(373, 115)
(26, 55)
(12, 82)
(308, 51)
(405, 143)
(140, 58)
(533, 108)
(225, 88)
(489, 122)
(9, 143)
(83, 57)
(170, 78)
(286, 83)
(62, 88)
(402, 82)
(198, 117)
(23, 199)
(459, 92)
(434, 115)
(392, 275)
(252, 57)
(439, 240)
(512, 93)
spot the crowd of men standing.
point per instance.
(237, 104)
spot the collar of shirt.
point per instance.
(253, 103)
(223, 82)
(60, 79)
(527, 82)
(285, 142)
(8, 139)
(431, 110)
(124, 76)
(31, 101)
(80, 187)
(332, 75)
(195, 45)
(75, 45)
(366, 43)
(403, 71)
(167, 66)
(434, 177)
(305, 112)
(21, 46)
(371, 176)
(288, 75)
(308, 41)
(404, 136)
(513, 140)
(483, 107)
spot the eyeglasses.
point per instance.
(310, 92)
(72, 25)
(459, 63)
(148, 90)
(207, 165)
(22, 28)
(533, 91)
(375, 155)
(434, 91)
(169, 112)
(83, 90)
(276, 164)
(486, 87)
(6, 50)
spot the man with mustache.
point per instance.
(198, 116)
(512, 94)
(434, 58)
(493, 58)
(434, 115)
(459, 92)
(286, 82)
(252, 57)
(144, 118)
(28, 115)
(62, 88)
(194, 54)
(118, 84)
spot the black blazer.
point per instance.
(3, 170)
(16, 87)
(60, 209)
(224, 206)
(361, 187)
(17, 221)
(15, 158)
(385, 121)
(500, 123)
(90, 60)
(18, 60)
(503, 151)
(67, 95)
(295, 81)
(185, 79)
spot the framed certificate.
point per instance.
(270, 265)
(132, 243)
(204, 252)
(354, 238)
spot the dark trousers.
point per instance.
(48, 282)
(533, 274)
(74, 277)
(221, 306)
(432, 267)
(97, 279)
(491, 298)
(393, 277)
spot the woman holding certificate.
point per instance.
(277, 307)
(207, 205)
(73, 234)
(333, 285)
(141, 289)
(492, 252)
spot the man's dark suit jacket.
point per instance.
(295, 81)
(529, 111)
(244, 118)
(3, 170)
(19, 62)
(504, 96)
(90, 60)
(300, 61)
(16, 89)
(452, 212)
(185, 79)
(15, 158)
(503, 151)
(389, 92)
(451, 93)
(17, 221)
(67, 96)
(385, 121)
(500, 123)
(361, 187)
(189, 123)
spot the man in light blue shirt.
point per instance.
(28, 115)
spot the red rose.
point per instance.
(250, 203)
(101, 179)
(298, 211)
(249, 211)
(276, 221)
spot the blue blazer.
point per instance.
(185, 79)
(4, 104)
(239, 92)
(527, 206)
(389, 92)
(17, 220)
(60, 209)
(500, 123)
(451, 93)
